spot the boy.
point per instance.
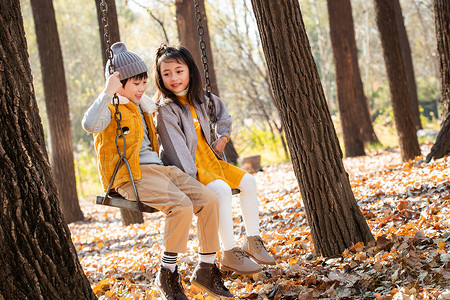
(165, 188)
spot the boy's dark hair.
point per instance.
(181, 55)
(143, 75)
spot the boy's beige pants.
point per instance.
(178, 195)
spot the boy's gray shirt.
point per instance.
(98, 117)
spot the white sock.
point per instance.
(208, 258)
(169, 261)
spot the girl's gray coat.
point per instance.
(177, 137)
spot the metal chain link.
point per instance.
(204, 59)
(117, 113)
(111, 69)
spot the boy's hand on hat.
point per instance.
(112, 84)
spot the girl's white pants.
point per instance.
(249, 208)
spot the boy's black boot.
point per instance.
(169, 285)
(209, 278)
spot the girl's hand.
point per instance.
(220, 144)
(112, 84)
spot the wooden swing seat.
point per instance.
(114, 199)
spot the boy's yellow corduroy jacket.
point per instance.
(131, 124)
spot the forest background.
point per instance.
(239, 62)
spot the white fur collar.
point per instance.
(147, 104)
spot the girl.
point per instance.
(184, 131)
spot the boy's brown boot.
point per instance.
(254, 246)
(169, 285)
(208, 278)
(238, 261)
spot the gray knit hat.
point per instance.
(127, 63)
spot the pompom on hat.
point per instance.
(126, 62)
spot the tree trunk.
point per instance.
(348, 76)
(283, 141)
(442, 145)
(279, 126)
(333, 215)
(56, 102)
(37, 257)
(442, 23)
(344, 51)
(398, 83)
(128, 216)
(189, 38)
(407, 59)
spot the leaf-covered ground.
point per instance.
(407, 206)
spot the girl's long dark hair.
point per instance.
(181, 55)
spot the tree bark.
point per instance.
(37, 257)
(189, 38)
(56, 102)
(347, 69)
(442, 23)
(398, 83)
(344, 52)
(442, 145)
(407, 59)
(188, 35)
(128, 216)
(333, 215)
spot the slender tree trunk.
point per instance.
(280, 126)
(56, 102)
(442, 23)
(368, 134)
(348, 75)
(37, 257)
(398, 83)
(429, 42)
(333, 215)
(128, 216)
(283, 141)
(442, 145)
(409, 68)
(189, 38)
(344, 50)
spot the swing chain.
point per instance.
(106, 36)
(111, 69)
(117, 116)
(204, 59)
